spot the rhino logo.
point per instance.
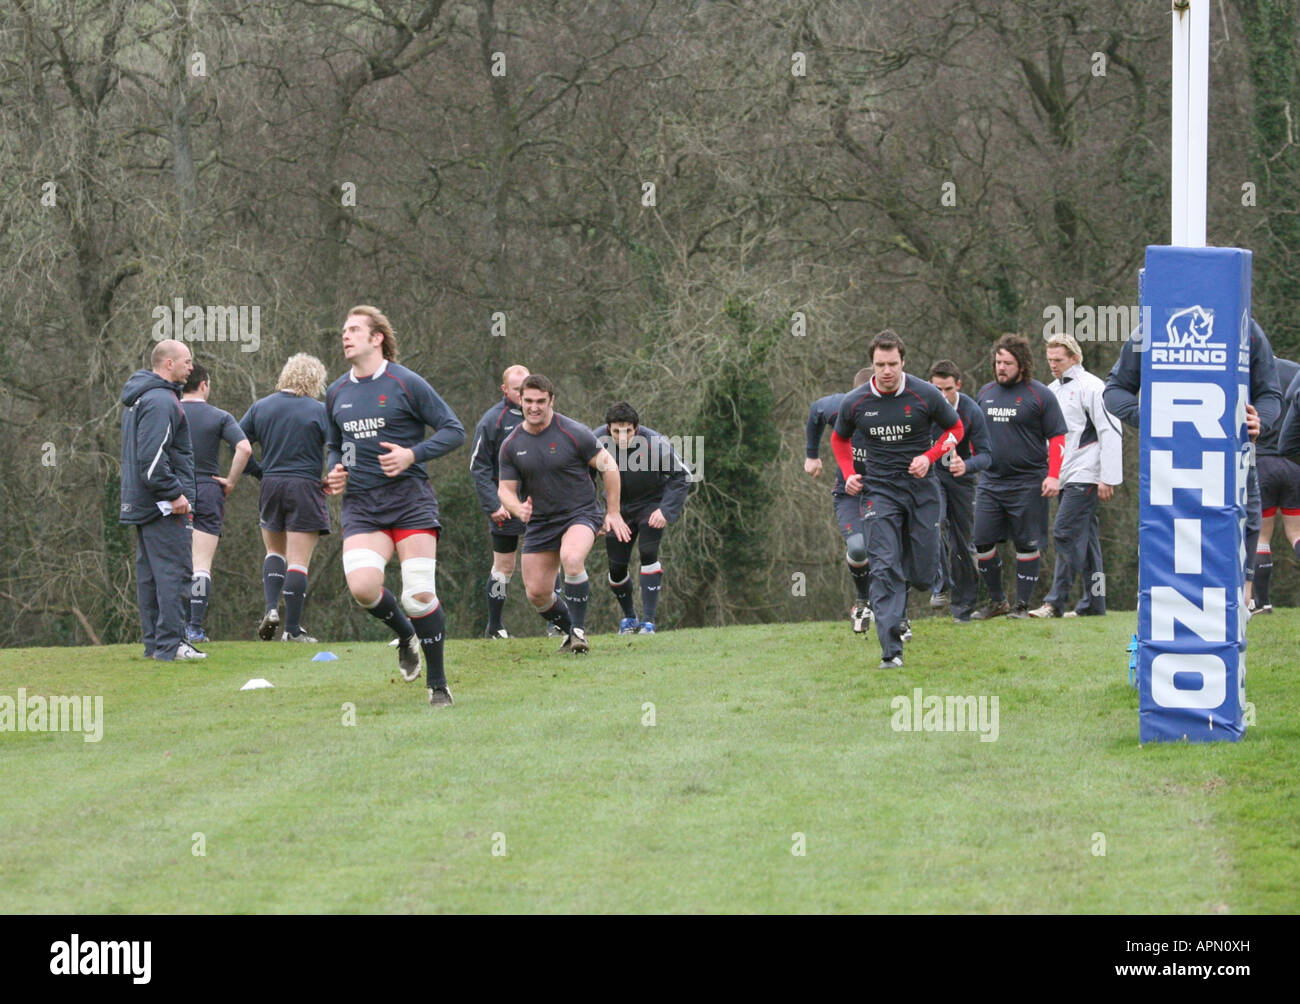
(1190, 328)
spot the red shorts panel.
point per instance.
(397, 535)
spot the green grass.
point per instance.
(760, 733)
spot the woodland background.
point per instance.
(305, 156)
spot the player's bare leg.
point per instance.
(575, 545)
(418, 554)
(539, 571)
(365, 555)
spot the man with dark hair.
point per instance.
(1124, 383)
(1027, 433)
(848, 509)
(545, 460)
(652, 492)
(958, 474)
(506, 532)
(378, 412)
(209, 426)
(1092, 465)
(895, 413)
(157, 483)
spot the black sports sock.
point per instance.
(390, 612)
(431, 628)
(558, 614)
(1263, 573)
(273, 567)
(496, 593)
(991, 575)
(576, 595)
(1026, 576)
(621, 584)
(295, 595)
(200, 597)
(861, 582)
(652, 578)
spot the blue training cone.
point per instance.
(324, 657)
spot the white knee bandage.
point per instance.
(362, 558)
(418, 579)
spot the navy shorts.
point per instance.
(210, 508)
(1015, 513)
(1279, 485)
(406, 504)
(545, 532)
(850, 510)
(292, 504)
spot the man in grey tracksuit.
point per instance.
(157, 486)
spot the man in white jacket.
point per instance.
(1092, 466)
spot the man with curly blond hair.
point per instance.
(291, 426)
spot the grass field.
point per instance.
(545, 788)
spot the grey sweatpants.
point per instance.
(1076, 534)
(163, 569)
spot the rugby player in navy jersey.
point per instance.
(209, 427)
(958, 473)
(291, 426)
(545, 485)
(848, 509)
(652, 492)
(496, 424)
(894, 413)
(1027, 432)
(377, 451)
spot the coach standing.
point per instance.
(1091, 466)
(157, 484)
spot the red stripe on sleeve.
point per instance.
(1055, 454)
(949, 439)
(843, 451)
